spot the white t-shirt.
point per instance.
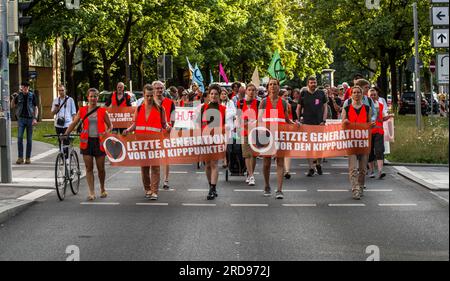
(67, 111)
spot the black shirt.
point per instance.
(312, 106)
(334, 113)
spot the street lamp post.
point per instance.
(417, 69)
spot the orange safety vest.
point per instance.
(280, 118)
(253, 106)
(167, 105)
(84, 135)
(222, 110)
(124, 101)
(378, 129)
(357, 118)
(150, 126)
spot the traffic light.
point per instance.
(23, 7)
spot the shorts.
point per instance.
(93, 148)
(377, 149)
(247, 151)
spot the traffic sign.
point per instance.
(442, 68)
(440, 38)
(439, 16)
(439, 1)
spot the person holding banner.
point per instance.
(149, 118)
(119, 98)
(285, 95)
(212, 116)
(95, 124)
(169, 109)
(273, 111)
(377, 148)
(357, 112)
(248, 115)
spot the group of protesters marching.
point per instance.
(247, 104)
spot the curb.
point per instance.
(387, 163)
(15, 207)
(421, 182)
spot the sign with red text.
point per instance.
(121, 117)
(185, 117)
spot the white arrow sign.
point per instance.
(439, 15)
(443, 68)
(440, 38)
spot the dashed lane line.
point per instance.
(198, 205)
(346, 205)
(249, 205)
(152, 204)
(299, 205)
(397, 205)
(101, 203)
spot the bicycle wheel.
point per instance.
(75, 172)
(60, 177)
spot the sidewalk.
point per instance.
(433, 178)
(30, 182)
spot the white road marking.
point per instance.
(202, 173)
(152, 204)
(44, 154)
(100, 203)
(300, 205)
(198, 190)
(198, 205)
(437, 195)
(249, 205)
(118, 189)
(332, 190)
(344, 173)
(346, 205)
(397, 205)
(34, 180)
(260, 190)
(178, 172)
(274, 173)
(35, 194)
(377, 190)
(340, 165)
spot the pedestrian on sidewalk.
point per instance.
(149, 118)
(212, 116)
(25, 105)
(273, 111)
(314, 109)
(248, 116)
(64, 110)
(377, 148)
(169, 109)
(95, 123)
(357, 112)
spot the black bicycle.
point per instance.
(67, 167)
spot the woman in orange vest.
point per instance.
(273, 110)
(357, 112)
(377, 148)
(248, 116)
(95, 123)
(149, 118)
(207, 113)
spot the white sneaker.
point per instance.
(247, 180)
(251, 181)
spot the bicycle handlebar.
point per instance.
(57, 136)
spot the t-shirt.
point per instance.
(67, 111)
(312, 106)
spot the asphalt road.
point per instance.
(313, 222)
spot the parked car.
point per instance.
(407, 104)
(435, 104)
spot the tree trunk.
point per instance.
(24, 58)
(394, 79)
(106, 76)
(69, 53)
(383, 79)
(140, 70)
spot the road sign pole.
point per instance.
(431, 96)
(417, 69)
(5, 119)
